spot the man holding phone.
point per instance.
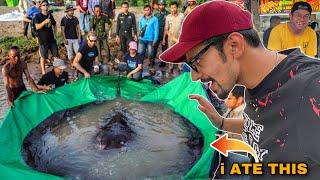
(46, 28)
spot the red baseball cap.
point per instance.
(208, 20)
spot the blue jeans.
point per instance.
(84, 22)
(142, 46)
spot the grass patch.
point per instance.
(26, 45)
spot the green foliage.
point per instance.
(25, 45)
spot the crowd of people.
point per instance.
(221, 48)
(87, 39)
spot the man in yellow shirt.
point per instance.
(296, 32)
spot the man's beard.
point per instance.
(223, 94)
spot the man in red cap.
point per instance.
(282, 117)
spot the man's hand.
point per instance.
(45, 88)
(206, 107)
(135, 38)
(87, 75)
(46, 21)
(96, 68)
(129, 75)
(117, 60)
(40, 91)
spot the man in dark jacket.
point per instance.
(126, 27)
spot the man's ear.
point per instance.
(233, 48)
(290, 16)
(240, 100)
(236, 43)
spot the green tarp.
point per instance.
(12, 3)
(32, 108)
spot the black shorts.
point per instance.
(43, 50)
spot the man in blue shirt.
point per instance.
(149, 33)
(32, 11)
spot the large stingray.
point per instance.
(115, 133)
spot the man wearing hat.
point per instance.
(161, 15)
(46, 28)
(282, 117)
(55, 78)
(71, 33)
(295, 33)
(134, 62)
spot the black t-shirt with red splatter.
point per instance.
(282, 117)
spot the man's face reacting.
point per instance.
(38, 4)
(97, 11)
(174, 9)
(233, 102)
(58, 71)
(14, 56)
(132, 50)
(300, 19)
(220, 74)
(147, 11)
(191, 3)
(91, 41)
(155, 6)
(44, 6)
(70, 13)
(124, 8)
(162, 7)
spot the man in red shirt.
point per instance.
(82, 5)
